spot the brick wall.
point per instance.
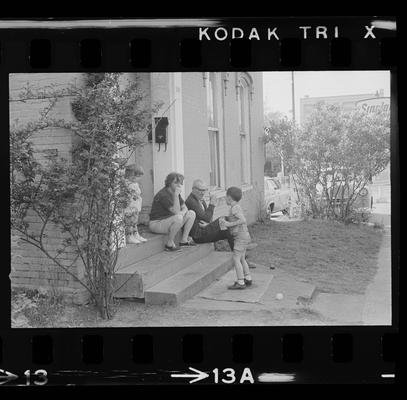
(195, 120)
(196, 145)
(31, 267)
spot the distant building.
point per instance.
(346, 102)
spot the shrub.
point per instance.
(359, 215)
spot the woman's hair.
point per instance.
(174, 176)
(235, 193)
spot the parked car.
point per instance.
(275, 197)
(363, 199)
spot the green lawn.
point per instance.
(334, 257)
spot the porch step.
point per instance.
(190, 281)
(132, 280)
(133, 253)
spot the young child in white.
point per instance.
(236, 223)
(133, 176)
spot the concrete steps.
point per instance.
(153, 265)
(189, 281)
(133, 253)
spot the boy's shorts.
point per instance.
(240, 243)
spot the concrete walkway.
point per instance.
(377, 304)
(281, 282)
(381, 214)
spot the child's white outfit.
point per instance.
(131, 214)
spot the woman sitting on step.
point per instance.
(169, 214)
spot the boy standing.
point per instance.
(133, 174)
(236, 223)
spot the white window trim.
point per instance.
(219, 129)
(243, 77)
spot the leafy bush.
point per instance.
(84, 198)
(359, 215)
(333, 157)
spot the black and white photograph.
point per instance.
(172, 199)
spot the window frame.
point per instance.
(213, 89)
(244, 87)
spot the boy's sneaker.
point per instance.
(172, 248)
(237, 286)
(188, 243)
(132, 240)
(248, 282)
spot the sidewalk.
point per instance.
(377, 306)
(381, 214)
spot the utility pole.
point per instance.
(293, 109)
(291, 200)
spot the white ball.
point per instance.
(279, 296)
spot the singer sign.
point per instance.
(375, 104)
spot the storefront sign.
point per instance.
(375, 104)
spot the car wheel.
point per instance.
(285, 211)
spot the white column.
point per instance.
(176, 139)
(167, 87)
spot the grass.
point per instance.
(333, 257)
(336, 258)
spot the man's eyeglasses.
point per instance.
(201, 190)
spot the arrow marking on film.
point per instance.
(199, 375)
(8, 376)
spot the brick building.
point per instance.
(215, 129)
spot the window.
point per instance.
(213, 131)
(243, 99)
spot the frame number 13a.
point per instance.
(228, 375)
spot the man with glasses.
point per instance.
(204, 229)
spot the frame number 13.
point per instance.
(39, 377)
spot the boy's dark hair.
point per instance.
(174, 176)
(235, 193)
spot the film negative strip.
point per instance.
(200, 201)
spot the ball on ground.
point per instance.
(279, 296)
